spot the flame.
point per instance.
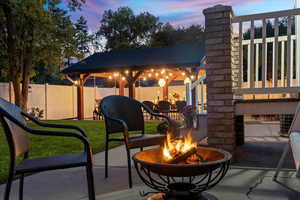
(173, 147)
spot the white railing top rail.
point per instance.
(260, 16)
(269, 40)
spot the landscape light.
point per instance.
(187, 80)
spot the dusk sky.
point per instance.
(177, 12)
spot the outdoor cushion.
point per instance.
(295, 145)
(53, 162)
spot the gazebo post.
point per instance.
(131, 79)
(80, 102)
(131, 88)
(121, 87)
(80, 96)
(166, 91)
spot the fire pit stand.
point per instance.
(182, 181)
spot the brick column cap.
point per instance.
(217, 8)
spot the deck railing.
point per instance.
(269, 61)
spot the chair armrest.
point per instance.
(44, 124)
(121, 122)
(155, 114)
(82, 138)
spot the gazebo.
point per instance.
(184, 62)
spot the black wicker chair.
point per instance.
(152, 106)
(123, 114)
(180, 105)
(16, 131)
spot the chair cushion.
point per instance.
(146, 140)
(53, 162)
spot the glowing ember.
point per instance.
(177, 147)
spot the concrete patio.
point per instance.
(249, 178)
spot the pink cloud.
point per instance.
(202, 4)
(194, 9)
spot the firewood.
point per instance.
(181, 157)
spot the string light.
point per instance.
(144, 78)
(110, 77)
(167, 77)
(163, 71)
(123, 78)
(192, 77)
(156, 74)
(161, 82)
(183, 73)
(170, 74)
(149, 75)
(126, 72)
(116, 74)
(152, 70)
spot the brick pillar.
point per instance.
(222, 76)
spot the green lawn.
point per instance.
(49, 145)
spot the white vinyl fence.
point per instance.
(60, 102)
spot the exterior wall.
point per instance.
(222, 76)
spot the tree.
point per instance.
(83, 38)
(122, 29)
(168, 35)
(35, 32)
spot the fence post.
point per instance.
(222, 76)
(46, 101)
(9, 92)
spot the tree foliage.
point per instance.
(168, 35)
(122, 29)
(34, 33)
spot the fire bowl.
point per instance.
(181, 180)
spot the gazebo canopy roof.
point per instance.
(186, 55)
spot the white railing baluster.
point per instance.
(248, 64)
(275, 72)
(292, 62)
(273, 63)
(256, 64)
(285, 67)
(241, 54)
(264, 53)
(282, 63)
(288, 61)
(252, 55)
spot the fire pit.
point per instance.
(182, 173)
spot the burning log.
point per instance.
(180, 156)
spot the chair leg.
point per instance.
(21, 187)
(281, 161)
(129, 168)
(106, 158)
(8, 187)
(90, 181)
